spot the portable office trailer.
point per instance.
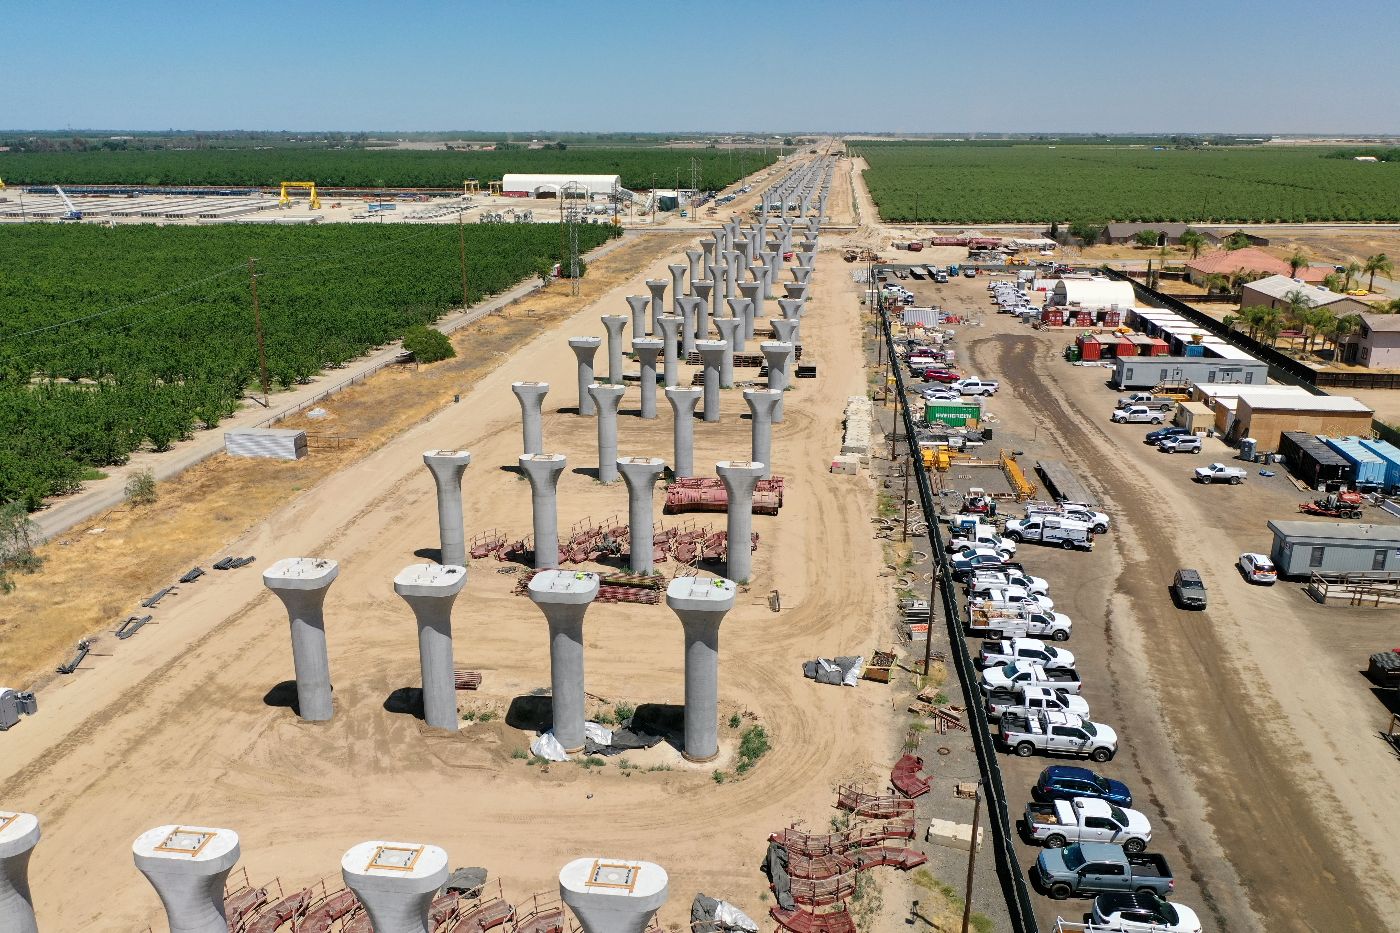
(1136, 372)
(1370, 469)
(267, 443)
(1391, 455)
(1314, 462)
(1301, 547)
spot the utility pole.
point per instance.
(972, 853)
(257, 326)
(462, 254)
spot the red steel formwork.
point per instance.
(875, 806)
(806, 921)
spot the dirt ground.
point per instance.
(1246, 731)
(188, 721)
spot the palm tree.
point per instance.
(1270, 323)
(1341, 327)
(1298, 260)
(1296, 308)
(1332, 281)
(1252, 317)
(1193, 240)
(1378, 263)
(1350, 274)
(1387, 307)
(1215, 282)
(1318, 321)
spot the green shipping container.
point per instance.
(953, 414)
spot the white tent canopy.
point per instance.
(1093, 293)
(536, 185)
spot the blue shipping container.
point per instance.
(1370, 469)
(1390, 454)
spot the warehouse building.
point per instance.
(1301, 548)
(1264, 416)
(1144, 372)
(549, 186)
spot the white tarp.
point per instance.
(548, 747)
(732, 918)
(597, 733)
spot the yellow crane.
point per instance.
(309, 186)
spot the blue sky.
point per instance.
(933, 66)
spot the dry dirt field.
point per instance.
(188, 721)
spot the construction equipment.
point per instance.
(1334, 505)
(1023, 487)
(73, 212)
(471, 186)
(285, 199)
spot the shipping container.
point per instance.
(267, 443)
(953, 414)
(1370, 469)
(1390, 454)
(1089, 347)
(1314, 462)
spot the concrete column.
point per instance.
(531, 396)
(677, 289)
(430, 590)
(704, 290)
(657, 287)
(702, 321)
(694, 256)
(784, 330)
(762, 404)
(611, 895)
(701, 605)
(19, 834)
(777, 354)
(396, 881)
(584, 348)
(739, 480)
(729, 329)
(447, 467)
(646, 349)
(671, 332)
(607, 398)
(187, 865)
(543, 470)
(796, 290)
(793, 309)
(640, 474)
(753, 291)
(731, 275)
(613, 324)
(301, 583)
(707, 247)
(712, 354)
(717, 274)
(638, 304)
(683, 403)
(563, 596)
(806, 260)
(690, 311)
(744, 247)
(802, 274)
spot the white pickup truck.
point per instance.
(999, 621)
(1056, 733)
(1030, 701)
(1010, 596)
(1008, 650)
(1075, 511)
(1136, 414)
(1084, 819)
(984, 580)
(1219, 473)
(1024, 672)
(1148, 400)
(983, 538)
(1051, 529)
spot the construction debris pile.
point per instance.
(856, 440)
(838, 672)
(707, 494)
(590, 542)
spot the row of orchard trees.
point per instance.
(115, 338)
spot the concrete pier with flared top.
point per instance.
(701, 604)
(614, 324)
(607, 398)
(531, 396)
(677, 287)
(802, 274)
(796, 290)
(19, 834)
(563, 596)
(683, 402)
(772, 270)
(793, 309)
(729, 330)
(806, 260)
(784, 330)
(638, 305)
(731, 275)
(430, 590)
(543, 471)
(762, 404)
(611, 895)
(753, 293)
(671, 338)
(712, 355)
(584, 349)
(657, 287)
(188, 865)
(739, 480)
(640, 474)
(301, 583)
(396, 881)
(447, 467)
(707, 247)
(693, 255)
(778, 356)
(704, 290)
(691, 309)
(646, 350)
(716, 275)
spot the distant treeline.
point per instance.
(996, 142)
(1384, 154)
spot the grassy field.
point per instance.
(396, 168)
(1040, 183)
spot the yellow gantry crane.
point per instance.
(309, 186)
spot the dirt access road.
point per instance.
(1247, 734)
(189, 722)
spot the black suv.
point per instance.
(1189, 589)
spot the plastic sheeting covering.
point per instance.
(548, 748)
(466, 880)
(775, 866)
(708, 915)
(844, 671)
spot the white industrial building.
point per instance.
(1093, 293)
(549, 186)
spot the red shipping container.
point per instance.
(1053, 317)
(1089, 347)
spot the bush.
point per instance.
(735, 721)
(18, 538)
(753, 745)
(520, 754)
(141, 488)
(427, 345)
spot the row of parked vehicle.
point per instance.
(1011, 298)
(1095, 843)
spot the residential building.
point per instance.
(1375, 344)
(1273, 292)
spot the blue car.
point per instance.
(1153, 437)
(1065, 782)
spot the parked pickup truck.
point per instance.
(1136, 414)
(1050, 529)
(1011, 596)
(1148, 400)
(1061, 822)
(1009, 650)
(970, 560)
(1075, 511)
(984, 538)
(1022, 672)
(992, 579)
(1057, 733)
(1090, 868)
(973, 386)
(1025, 700)
(1219, 473)
(998, 621)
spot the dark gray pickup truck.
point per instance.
(1091, 868)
